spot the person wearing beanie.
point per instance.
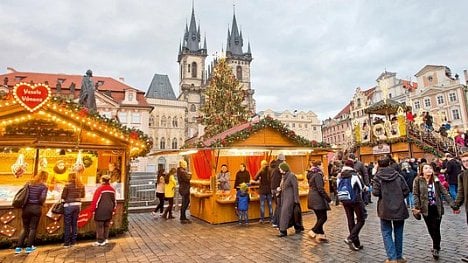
(264, 190)
(289, 197)
(242, 203)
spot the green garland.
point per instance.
(137, 134)
(266, 122)
(422, 146)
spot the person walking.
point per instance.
(160, 185)
(103, 205)
(169, 192)
(71, 197)
(275, 183)
(409, 175)
(428, 196)
(462, 194)
(31, 212)
(264, 190)
(183, 177)
(391, 189)
(360, 168)
(289, 197)
(353, 204)
(453, 170)
(317, 200)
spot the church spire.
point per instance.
(193, 36)
(234, 41)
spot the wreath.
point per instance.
(87, 161)
(60, 167)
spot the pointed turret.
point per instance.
(193, 39)
(248, 49)
(191, 43)
(234, 41)
(204, 43)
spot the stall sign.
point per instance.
(381, 148)
(31, 96)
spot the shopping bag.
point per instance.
(58, 208)
(21, 197)
(84, 216)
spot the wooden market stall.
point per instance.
(249, 144)
(391, 130)
(53, 134)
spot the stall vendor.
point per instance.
(242, 176)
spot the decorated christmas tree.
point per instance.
(223, 106)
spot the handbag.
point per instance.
(58, 208)
(21, 197)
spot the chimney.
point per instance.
(122, 79)
(11, 70)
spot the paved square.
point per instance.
(157, 240)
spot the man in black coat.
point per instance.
(453, 170)
(183, 177)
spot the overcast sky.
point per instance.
(308, 54)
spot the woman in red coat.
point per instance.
(103, 206)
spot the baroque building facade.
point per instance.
(442, 95)
(305, 124)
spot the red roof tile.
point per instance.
(116, 87)
(345, 110)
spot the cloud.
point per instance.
(308, 55)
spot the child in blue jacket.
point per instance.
(242, 203)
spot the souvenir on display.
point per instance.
(19, 167)
(79, 165)
(60, 167)
(43, 164)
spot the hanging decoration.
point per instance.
(19, 167)
(31, 97)
(43, 164)
(401, 122)
(79, 166)
(60, 167)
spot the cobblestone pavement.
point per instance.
(157, 240)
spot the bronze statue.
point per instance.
(87, 98)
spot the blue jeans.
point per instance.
(262, 206)
(70, 221)
(453, 189)
(393, 246)
(410, 200)
(243, 216)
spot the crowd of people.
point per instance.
(102, 206)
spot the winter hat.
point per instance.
(243, 187)
(284, 166)
(281, 157)
(349, 163)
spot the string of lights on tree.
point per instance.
(223, 108)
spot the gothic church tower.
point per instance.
(240, 62)
(192, 74)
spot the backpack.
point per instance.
(346, 192)
(21, 197)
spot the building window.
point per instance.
(194, 69)
(106, 114)
(163, 121)
(315, 128)
(427, 102)
(239, 73)
(440, 99)
(151, 121)
(416, 105)
(452, 97)
(188, 68)
(174, 143)
(389, 95)
(456, 114)
(300, 125)
(136, 117)
(162, 144)
(174, 122)
(359, 103)
(155, 142)
(305, 125)
(130, 96)
(293, 125)
(193, 108)
(122, 117)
